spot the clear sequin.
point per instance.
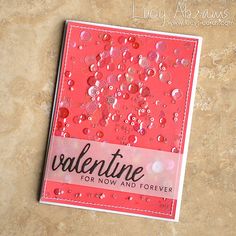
(161, 46)
(176, 94)
(143, 62)
(93, 91)
(85, 36)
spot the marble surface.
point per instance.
(30, 38)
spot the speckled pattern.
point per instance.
(30, 39)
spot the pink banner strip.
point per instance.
(114, 167)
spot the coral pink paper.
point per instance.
(121, 120)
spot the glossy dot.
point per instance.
(126, 55)
(63, 112)
(121, 67)
(174, 150)
(133, 88)
(115, 117)
(91, 80)
(131, 39)
(184, 62)
(89, 60)
(99, 134)
(111, 100)
(145, 91)
(98, 75)
(70, 82)
(131, 70)
(102, 196)
(165, 76)
(143, 76)
(103, 122)
(58, 191)
(83, 117)
(85, 36)
(177, 51)
(150, 72)
(160, 138)
(126, 96)
(134, 59)
(59, 124)
(135, 45)
(143, 62)
(78, 195)
(68, 74)
(111, 79)
(93, 91)
(176, 94)
(66, 135)
(129, 78)
(142, 131)
(122, 40)
(161, 46)
(93, 68)
(132, 139)
(106, 37)
(153, 56)
(76, 119)
(114, 52)
(86, 131)
(163, 66)
(162, 120)
(111, 66)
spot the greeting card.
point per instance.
(121, 120)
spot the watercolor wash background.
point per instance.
(30, 39)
